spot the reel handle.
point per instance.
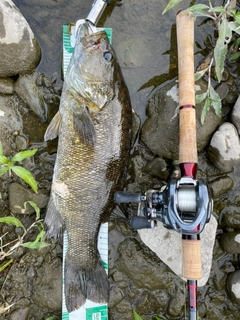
(192, 266)
(124, 197)
(187, 115)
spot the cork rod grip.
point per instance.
(185, 44)
(187, 115)
(192, 264)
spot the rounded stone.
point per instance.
(160, 131)
(230, 217)
(235, 116)
(20, 314)
(233, 286)
(224, 149)
(220, 186)
(20, 51)
(230, 242)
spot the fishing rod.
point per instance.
(185, 204)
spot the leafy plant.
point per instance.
(137, 317)
(227, 22)
(6, 249)
(9, 165)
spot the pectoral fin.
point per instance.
(84, 125)
(54, 127)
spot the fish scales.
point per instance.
(94, 126)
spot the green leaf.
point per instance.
(201, 97)
(136, 316)
(35, 207)
(38, 243)
(237, 17)
(23, 155)
(200, 14)
(234, 26)
(205, 109)
(12, 220)
(157, 318)
(220, 51)
(26, 176)
(5, 265)
(3, 160)
(215, 101)
(3, 170)
(217, 9)
(197, 7)
(170, 5)
(35, 245)
(198, 75)
(41, 236)
(234, 56)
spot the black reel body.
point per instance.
(184, 205)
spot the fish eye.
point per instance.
(107, 56)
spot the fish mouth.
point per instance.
(90, 37)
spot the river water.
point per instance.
(144, 39)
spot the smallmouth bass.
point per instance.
(94, 128)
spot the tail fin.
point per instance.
(85, 284)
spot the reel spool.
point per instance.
(184, 205)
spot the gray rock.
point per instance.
(230, 217)
(220, 186)
(157, 167)
(230, 242)
(20, 314)
(18, 195)
(10, 121)
(224, 149)
(160, 132)
(27, 89)
(170, 250)
(6, 86)
(222, 89)
(20, 51)
(49, 284)
(233, 286)
(142, 267)
(21, 142)
(235, 116)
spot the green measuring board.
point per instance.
(90, 310)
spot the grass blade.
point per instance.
(5, 265)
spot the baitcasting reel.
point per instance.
(184, 205)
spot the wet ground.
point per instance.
(145, 43)
(144, 39)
